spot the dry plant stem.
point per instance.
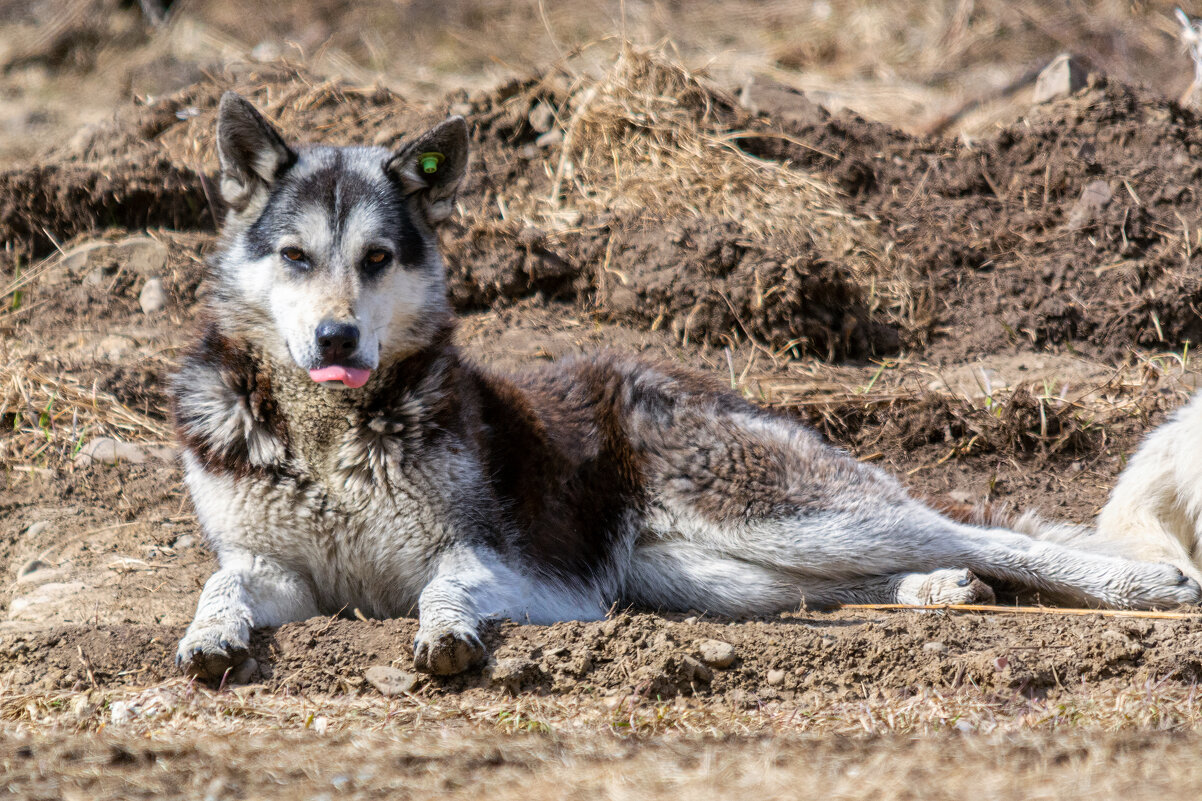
(1030, 610)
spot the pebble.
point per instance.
(152, 297)
(551, 138)
(776, 677)
(32, 566)
(934, 647)
(245, 672)
(1093, 199)
(183, 542)
(542, 117)
(697, 671)
(390, 681)
(1061, 78)
(106, 450)
(37, 528)
(717, 653)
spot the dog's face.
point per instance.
(330, 259)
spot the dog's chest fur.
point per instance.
(354, 496)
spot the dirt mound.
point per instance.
(1078, 224)
(627, 194)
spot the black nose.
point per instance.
(336, 341)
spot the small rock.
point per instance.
(106, 450)
(695, 671)
(776, 677)
(390, 681)
(142, 255)
(934, 647)
(717, 653)
(690, 620)
(542, 117)
(1061, 78)
(30, 567)
(82, 707)
(244, 673)
(183, 542)
(121, 712)
(152, 297)
(781, 102)
(551, 138)
(1001, 663)
(1094, 198)
(37, 528)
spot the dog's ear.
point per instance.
(432, 166)
(252, 153)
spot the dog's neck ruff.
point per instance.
(240, 410)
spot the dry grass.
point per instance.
(45, 418)
(651, 140)
(180, 707)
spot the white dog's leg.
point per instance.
(246, 593)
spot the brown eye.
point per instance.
(294, 255)
(375, 260)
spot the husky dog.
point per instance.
(343, 455)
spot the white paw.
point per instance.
(943, 587)
(1156, 585)
(447, 650)
(211, 647)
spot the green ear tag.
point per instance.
(430, 162)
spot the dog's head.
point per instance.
(329, 258)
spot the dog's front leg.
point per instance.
(471, 584)
(247, 592)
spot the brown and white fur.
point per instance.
(442, 489)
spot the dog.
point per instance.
(341, 453)
(1155, 509)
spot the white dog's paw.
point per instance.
(211, 647)
(447, 651)
(1156, 585)
(943, 587)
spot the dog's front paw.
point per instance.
(445, 652)
(211, 648)
(943, 587)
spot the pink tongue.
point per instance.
(353, 377)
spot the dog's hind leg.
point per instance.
(247, 592)
(765, 491)
(677, 575)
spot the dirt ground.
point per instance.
(997, 314)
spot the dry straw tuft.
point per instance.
(649, 138)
